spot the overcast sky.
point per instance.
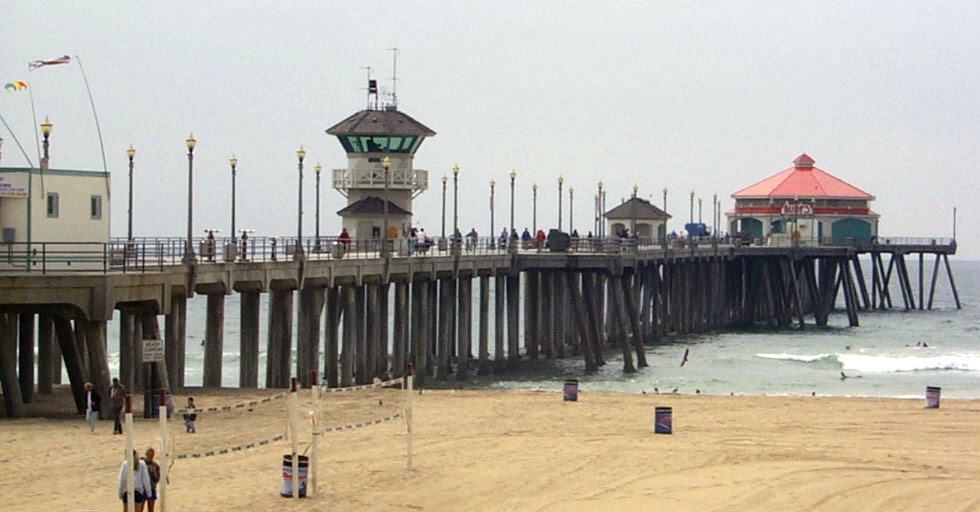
(710, 97)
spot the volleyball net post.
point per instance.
(293, 431)
(314, 419)
(408, 411)
(130, 480)
(162, 408)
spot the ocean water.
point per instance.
(881, 358)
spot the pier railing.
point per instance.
(153, 254)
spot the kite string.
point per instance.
(105, 166)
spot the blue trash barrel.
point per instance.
(570, 391)
(932, 397)
(662, 422)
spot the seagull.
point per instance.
(643, 391)
(657, 391)
(843, 375)
(684, 360)
(697, 391)
(674, 391)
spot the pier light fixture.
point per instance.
(534, 208)
(561, 181)
(298, 255)
(513, 176)
(46, 131)
(636, 188)
(665, 218)
(189, 256)
(233, 161)
(386, 165)
(131, 153)
(493, 184)
(445, 179)
(456, 238)
(598, 210)
(318, 169)
(571, 208)
(692, 207)
(714, 216)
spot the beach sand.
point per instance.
(514, 450)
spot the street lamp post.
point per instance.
(602, 208)
(692, 207)
(131, 153)
(636, 188)
(714, 216)
(386, 165)
(444, 180)
(318, 168)
(534, 208)
(46, 131)
(598, 210)
(571, 209)
(189, 248)
(493, 184)
(699, 211)
(561, 181)
(233, 161)
(456, 239)
(298, 255)
(665, 213)
(513, 176)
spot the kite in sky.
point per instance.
(41, 63)
(15, 86)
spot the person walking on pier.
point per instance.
(92, 400)
(471, 239)
(117, 395)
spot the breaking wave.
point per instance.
(886, 364)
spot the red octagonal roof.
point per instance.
(803, 180)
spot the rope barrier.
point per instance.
(231, 449)
(379, 384)
(354, 426)
(232, 407)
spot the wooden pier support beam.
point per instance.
(25, 355)
(484, 334)
(279, 346)
(349, 294)
(248, 368)
(12, 397)
(447, 289)
(47, 364)
(331, 337)
(513, 319)
(214, 340)
(400, 336)
(499, 314)
(464, 328)
(174, 341)
(311, 301)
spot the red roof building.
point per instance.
(803, 204)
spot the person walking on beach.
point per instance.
(190, 417)
(117, 395)
(92, 400)
(153, 469)
(141, 482)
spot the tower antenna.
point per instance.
(394, 77)
(372, 89)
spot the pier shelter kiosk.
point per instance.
(804, 205)
(638, 216)
(368, 137)
(39, 207)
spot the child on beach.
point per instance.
(153, 469)
(189, 417)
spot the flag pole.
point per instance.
(105, 166)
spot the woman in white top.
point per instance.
(141, 482)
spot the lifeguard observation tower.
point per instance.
(379, 134)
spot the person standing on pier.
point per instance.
(117, 395)
(344, 238)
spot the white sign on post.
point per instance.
(152, 351)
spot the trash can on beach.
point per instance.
(932, 397)
(286, 488)
(570, 391)
(662, 422)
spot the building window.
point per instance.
(96, 207)
(53, 205)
